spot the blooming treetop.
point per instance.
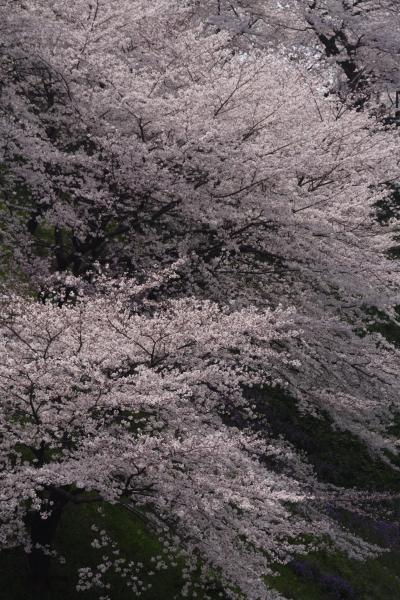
(357, 37)
(135, 136)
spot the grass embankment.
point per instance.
(341, 459)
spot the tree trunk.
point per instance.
(42, 533)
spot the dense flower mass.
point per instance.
(132, 400)
(188, 211)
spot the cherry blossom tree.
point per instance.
(121, 398)
(137, 136)
(126, 148)
(358, 37)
